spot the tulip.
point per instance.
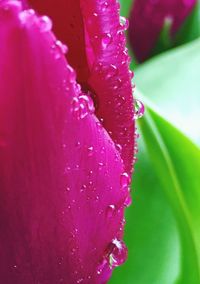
(149, 17)
(66, 141)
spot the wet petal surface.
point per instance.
(107, 77)
(62, 183)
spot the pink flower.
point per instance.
(147, 19)
(66, 142)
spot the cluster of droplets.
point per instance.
(82, 106)
(44, 23)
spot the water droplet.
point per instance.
(59, 49)
(131, 74)
(67, 169)
(125, 180)
(91, 20)
(139, 109)
(105, 5)
(79, 280)
(27, 16)
(72, 74)
(118, 253)
(100, 165)
(90, 150)
(10, 6)
(78, 144)
(110, 210)
(124, 23)
(128, 200)
(83, 188)
(67, 189)
(112, 71)
(118, 147)
(106, 40)
(45, 23)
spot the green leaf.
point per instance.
(190, 29)
(126, 7)
(171, 82)
(163, 226)
(164, 41)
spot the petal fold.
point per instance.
(62, 181)
(101, 47)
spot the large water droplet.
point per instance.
(118, 253)
(45, 23)
(139, 109)
(125, 180)
(124, 23)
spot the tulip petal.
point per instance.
(69, 28)
(62, 186)
(147, 19)
(109, 79)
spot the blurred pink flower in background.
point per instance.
(66, 142)
(147, 19)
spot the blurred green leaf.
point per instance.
(164, 41)
(171, 82)
(126, 7)
(163, 226)
(190, 29)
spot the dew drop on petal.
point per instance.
(45, 23)
(106, 40)
(124, 23)
(118, 147)
(131, 74)
(128, 200)
(100, 164)
(90, 150)
(27, 16)
(118, 253)
(61, 49)
(139, 109)
(110, 210)
(112, 71)
(125, 180)
(105, 5)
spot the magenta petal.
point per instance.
(110, 77)
(93, 28)
(61, 184)
(147, 20)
